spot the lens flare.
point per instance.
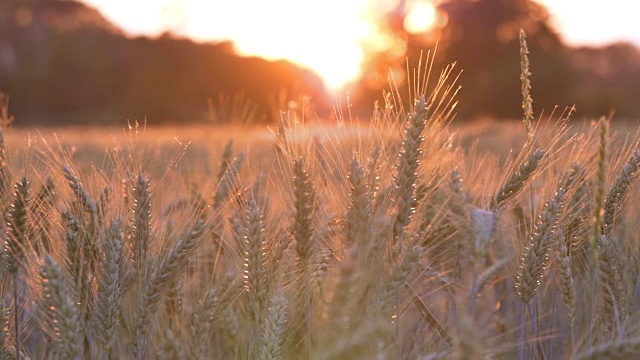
(421, 17)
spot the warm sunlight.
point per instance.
(323, 36)
(332, 37)
(421, 17)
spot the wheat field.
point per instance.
(404, 238)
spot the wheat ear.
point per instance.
(618, 191)
(141, 223)
(5, 351)
(303, 229)
(399, 276)
(564, 277)
(254, 261)
(225, 161)
(109, 289)
(304, 203)
(274, 328)
(536, 255)
(42, 207)
(515, 183)
(5, 176)
(158, 280)
(61, 312)
(358, 220)
(16, 245)
(525, 78)
(227, 182)
(407, 169)
(81, 193)
(608, 279)
(202, 320)
(17, 237)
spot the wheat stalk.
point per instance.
(483, 223)
(345, 295)
(171, 348)
(598, 213)
(467, 345)
(617, 350)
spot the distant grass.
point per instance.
(408, 237)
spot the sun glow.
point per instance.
(421, 17)
(330, 37)
(325, 36)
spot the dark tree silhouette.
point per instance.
(481, 36)
(62, 62)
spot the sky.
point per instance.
(332, 37)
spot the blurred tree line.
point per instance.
(481, 36)
(62, 62)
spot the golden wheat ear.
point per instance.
(60, 316)
(110, 298)
(525, 78)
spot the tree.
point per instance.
(481, 36)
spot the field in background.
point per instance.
(202, 146)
